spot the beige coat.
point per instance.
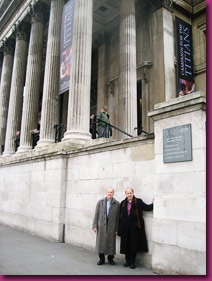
(106, 238)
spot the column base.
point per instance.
(77, 137)
(24, 149)
(42, 143)
(8, 153)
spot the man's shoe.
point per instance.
(100, 262)
(132, 266)
(111, 262)
(126, 264)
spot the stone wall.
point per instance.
(179, 228)
(53, 192)
(91, 173)
(31, 195)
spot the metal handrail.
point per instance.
(123, 132)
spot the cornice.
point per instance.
(12, 16)
(199, 7)
(191, 8)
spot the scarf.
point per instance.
(134, 214)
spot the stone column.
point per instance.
(79, 92)
(1, 61)
(17, 86)
(127, 114)
(32, 85)
(5, 85)
(101, 90)
(103, 57)
(163, 60)
(50, 109)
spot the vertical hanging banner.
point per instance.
(184, 53)
(66, 46)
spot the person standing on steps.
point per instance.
(104, 130)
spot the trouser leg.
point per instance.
(110, 257)
(132, 258)
(102, 256)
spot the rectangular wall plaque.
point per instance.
(177, 144)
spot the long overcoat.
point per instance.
(106, 238)
(128, 227)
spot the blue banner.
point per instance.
(184, 54)
(66, 46)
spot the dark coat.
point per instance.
(106, 238)
(128, 225)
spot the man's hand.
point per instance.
(95, 229)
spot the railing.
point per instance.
(140, 131)
(60, 129)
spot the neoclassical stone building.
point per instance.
(124, 56)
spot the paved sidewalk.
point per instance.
(24, 254)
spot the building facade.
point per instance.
(124, 56)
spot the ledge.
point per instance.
(180, 105)
(68, 149)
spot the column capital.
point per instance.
(157, 4)
(37, 12)
(8, 46)
(144, 68)
(21, 31)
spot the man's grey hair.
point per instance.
(129, 188)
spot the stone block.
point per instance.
(143, 152)
(180, 208)
(172, 260)
(100, 158)
(85, 172)
(79, 217)
(197, 164)
(124, 170)
(82, 201)
(55, 199)
(55, 164)
(106, 171)
(54, 175)
(191, 236)
(144, 168)
(80, 236)
(181, 183)
(91, 186)
(164, 231)
(120, 155)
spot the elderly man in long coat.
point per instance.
(105, 224)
